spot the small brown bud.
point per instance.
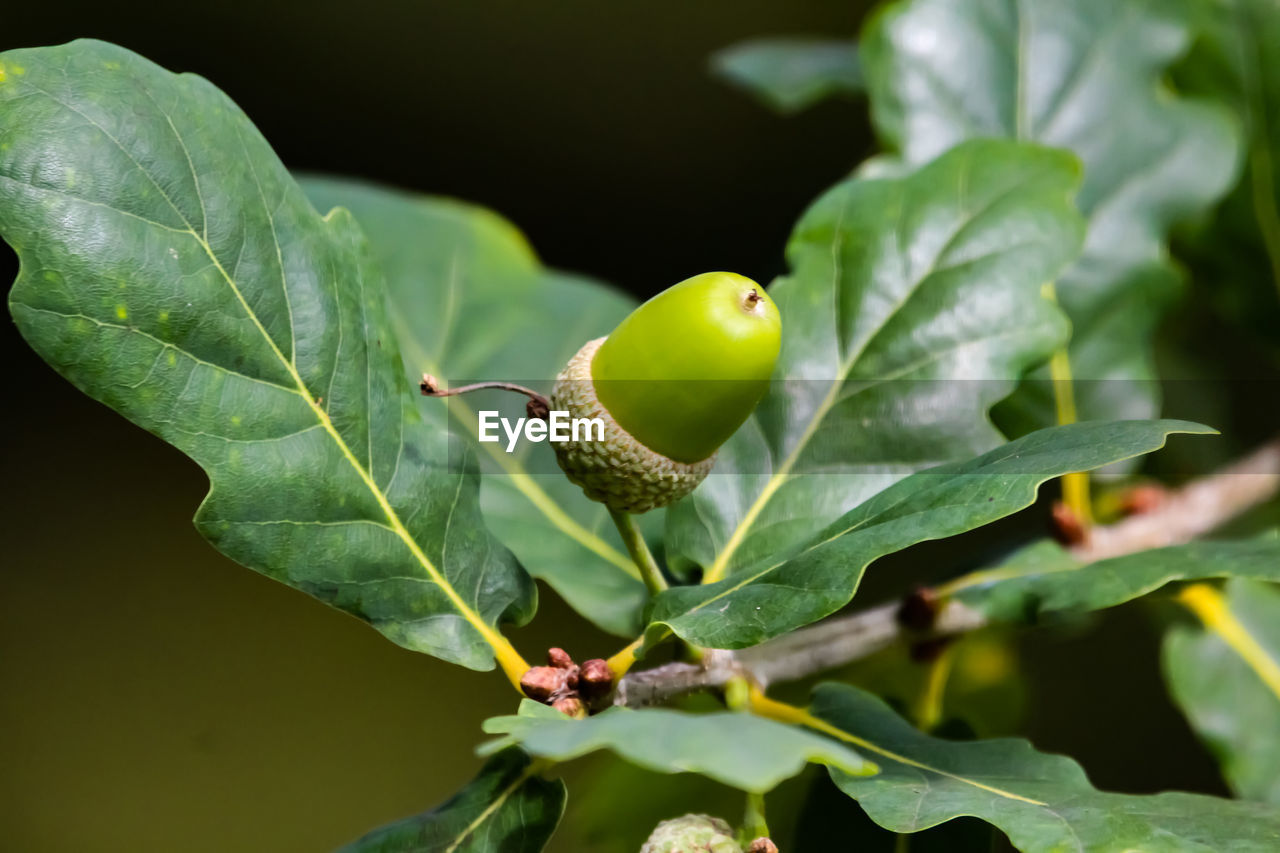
(1141, 499)
(429, 384)
(558, 657)
(919, 609)
(570, 705)
(542, 682)
(1068, 527)
(595, 678)
(762, 845)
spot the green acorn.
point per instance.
(693, 833)
(670, 384)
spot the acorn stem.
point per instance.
(639, 550)
(538, 406)
(753, 822)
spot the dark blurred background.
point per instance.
(156, 697)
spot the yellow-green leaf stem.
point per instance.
(1075, 486)
(929, 706)
(1209, 606)
(785, 713)
(625, 658)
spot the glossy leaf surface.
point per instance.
(1233, 702)
(780, 596)
(172, 269)
(913, 305)
(1046, 580)
(470, 302)
(508, 808)
(1084, 76)
(1042, 802)
(1237, 256)
(736, 749)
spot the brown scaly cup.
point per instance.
(618, 471)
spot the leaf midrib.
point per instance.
(492, 637)
(1214, 611)
(520, 478)
(874, 520)
(531, 770)
(720, 567)
(495, 640)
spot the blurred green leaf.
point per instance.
(1227, 700)
(508, 808)
(789, 74)
(1046, 580)
(172, 269)
(736, 749)
(1237, 61)
(470, 302)
(985, 687)
(913, 305)
(1084, 76)
(1042, 802)
(828, 813)
(778, 596)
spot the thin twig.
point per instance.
(837, 642)
(539, 406)
(662, 684)
(1191, 511)
(1185, 513)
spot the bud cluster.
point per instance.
(566, 686)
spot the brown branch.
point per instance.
(662, 684)
(1191, 511)
(1183, 514)
(840, 641)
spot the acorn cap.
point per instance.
(618, 470)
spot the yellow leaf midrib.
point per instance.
(783, 712)
(521, 479)
(513, 665)
(1211, 607)
(533, 769)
